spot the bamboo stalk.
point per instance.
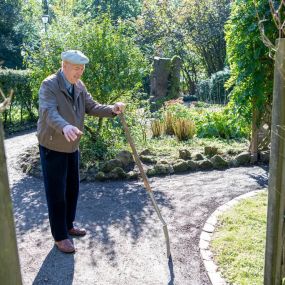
(146, 182)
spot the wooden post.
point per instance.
(10, 273)
(275, 213)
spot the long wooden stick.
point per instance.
(146, 182)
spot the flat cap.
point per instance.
(74, 56)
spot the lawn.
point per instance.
(238, 243)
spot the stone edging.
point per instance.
(206, 236)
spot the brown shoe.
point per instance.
(77, 232)
(65, 246)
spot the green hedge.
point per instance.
(23, 107)
(212, 90)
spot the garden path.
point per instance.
(125, 242)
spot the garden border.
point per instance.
(206, 237)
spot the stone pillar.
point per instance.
(165, 78)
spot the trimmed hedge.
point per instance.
(212, 90)
(23, 107)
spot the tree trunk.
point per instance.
(10, 273)
(254, 133)
(274, 251)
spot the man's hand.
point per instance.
(71, 133)
(118, 108)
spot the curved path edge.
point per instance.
(207, 234)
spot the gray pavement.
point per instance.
(125, 242)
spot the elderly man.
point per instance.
(63, 102)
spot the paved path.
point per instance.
(125, 242)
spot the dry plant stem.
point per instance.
(7, 101)
(145, 180)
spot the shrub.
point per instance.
(168, 123)
(157, 128)
(23, 106)
(184, 129)
(212, 90)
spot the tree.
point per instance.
(10, 35)
(204, 22)
(116, 64)
(248, 57)
(119, 9)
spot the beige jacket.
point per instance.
(57, 109)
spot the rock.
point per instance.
(161, 169)
(148, 159)
(117, 173)
(126, 158)
(192, 165)
(132, 175)
(150, 172)
(111, 164)
(205, 164)
(184, 154)
(242, 159)
(264, 156)
(82, 175)
(210, 150)
(101, 176)
(198, 156)
(146, 152)
(92, 170)
(219, 162)
(163, 161)
(180, 166)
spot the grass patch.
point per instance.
(238, 243)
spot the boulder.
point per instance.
(180, 166)
(192, 165)
(148, 159)
(111, 164)
(146, 152)
(219, 162)
(132, 175)
(210, 150)
(161, 169)
(242, 159)
(205, 164)
(198, 156)
(264, 156)
(101, 176)
(150, 172)
(184, 154)
(117, 173)
(126, 158)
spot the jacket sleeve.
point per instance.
(95, 109)
(48, 108)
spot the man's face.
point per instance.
(72, 72)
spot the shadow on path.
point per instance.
(102, 207)
(57, 267)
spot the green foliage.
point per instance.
(203, 22)
(119, 9)
(116, 65)
(212, 122)
(23, 106)
(10, 35)
(251, 67)
(212, 90)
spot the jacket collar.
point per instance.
(62, 87)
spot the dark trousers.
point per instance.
(61, 180)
